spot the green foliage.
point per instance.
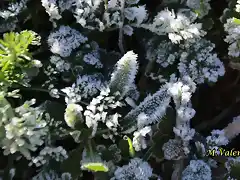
(15, 56)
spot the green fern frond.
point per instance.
(15, 57)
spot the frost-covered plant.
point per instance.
(196, 60)
(51, 9)
(137, 169)
(52, 175)
(116, 119)
(224, 136)
(123, 77)
(200, 7)
(14, 8)
(73, 115)
(197, 169)
(48, 153)
(65, 40)
(139, 141)
(23, 129)
(178, 26)
(232, 27)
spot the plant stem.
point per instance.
(120, 36)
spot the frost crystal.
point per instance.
(197, 170)
(73, 94)
(64, 40)
(137, 169)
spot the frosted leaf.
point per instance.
(177, 26)
(172, 149)
(233, 36)
(89, 85)
(217, 138)
(150, 111)
(52, 9)
(201, 7)
(139, 141)
(93, 58)
(137, 169)
(13, 9)
(197, 170)
(64, 40)
(139, 13)
(124, 75)
(128, 30)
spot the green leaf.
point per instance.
(96, 167)
(236, 21)
(15, 57)
(130, 146)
